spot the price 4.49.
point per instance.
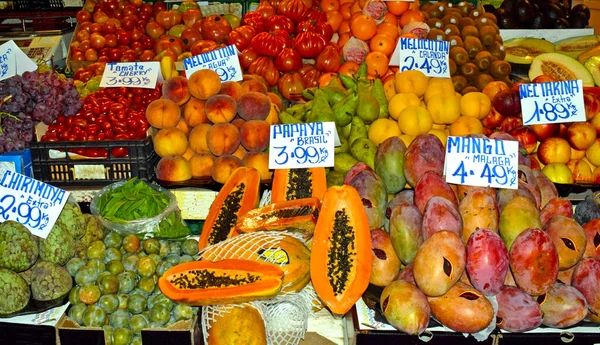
(501, 175)
(429, 65)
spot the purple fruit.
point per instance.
(372, 191)
(586, 279)
(517, 311)
(487, 261)
(431, 184)
(405, 196)
(405, 232)
(563, 306)
(441, 214)
(425, 153)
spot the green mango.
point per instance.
(379, 93)
(320, 111)
(343, 162)
(345, 110)
(368, 107)
(358, 130)
(364, 150)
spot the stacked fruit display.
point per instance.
(208, 129)
(37, 269)
(541, 14)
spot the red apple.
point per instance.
(544, 78)
(493, 119)
(546, 130)
(507, 102)
(510, 122)
(525, 136)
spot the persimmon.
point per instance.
(345, 10)
(330, 5)
(397, 7)
(355, 7)
(348, 68)
(377, 64)
(344, 27)
(388, 29)
(411, 16)
(334, 18)
(390, 18)
(363, 27)
(382, 43)
(326, 78)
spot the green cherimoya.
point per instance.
(58, 246)
(18, 246)
(94, 231)
(72, 219)
(49, 281)
(14, 292)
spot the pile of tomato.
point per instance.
(107, 114)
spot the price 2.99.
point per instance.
(23, 212)
(302, 155)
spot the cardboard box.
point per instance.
(18, 161)
(180, 333)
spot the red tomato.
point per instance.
(109, 28)
(111, 40)
(309, 44)
(97, 41)
(241, 37)
(202, 45)
(247, 56)
(296, 10)
(91, 55)
(265, 67)
(115, 54)
(329, 59)
(215, 28)
(310, 75)
(270, 43)
(291, 85)
(191, 17)
(316, 15)
(154, 30)
(255, 20)
(82, 35)
(190, 36)
(279, 22)
(83, 16)
(322, 28)
(288, 60)
(169, 42)
(123, 37)
(265, 9)
(95, 28)
(169, 18)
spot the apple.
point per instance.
(545, 130)
(510, 122)
(544, 78)
(525, 136)
(507, 102)
(581, 135)
(493, 119)
(554, 150)
(592, 105)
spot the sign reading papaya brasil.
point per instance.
(482, 162)
(302, 145)
(10, 53)
(131, 74)
(30, 202)
(224, 61)
(428, 56)
(552, 102)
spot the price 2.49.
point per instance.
(302, 155)
(23, 212)
(427, 65)
(549, 112)
(501, 175)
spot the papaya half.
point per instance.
(291, 184)
(299, 215)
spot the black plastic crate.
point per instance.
(69, 171)
(18, 334)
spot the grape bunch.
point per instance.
(28, 99)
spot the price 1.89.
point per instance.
(302, 154)
(427, 65)
(549, 112)
(22, 212)
(499, 174)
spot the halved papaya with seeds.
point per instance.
(204, 282)
(291, 184)
(238, 195)
(298, 215)
(340, 262)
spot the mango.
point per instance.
(517, 311)
(592, 234)
(406, 274)
(405, 307)
(487, 261)
(425, 153)
(478, 210)
(405, 231)
(462, 309)
(534, 261)
(354, 170)
(566, 275)
(372, 191)
(405, 196)
(568, 238)
(586, 279)
(519, 214)
(548, 190)
(441, 214)
(385, 263)
(439, 263)
(529, 182)
(429, 185)
(556, 206)
(389, 164)
(563, 306)
(507, 195)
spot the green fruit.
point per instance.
(74, 295)
(364, 150)
(122, 336)
(358, 129)
(147, 284)
(86, 275)
(112, 254)
(190, 247)
(18, 246)
(14, 292)
(74, 265)
(137, 323)
(109, 284)
(58, 246)
(127, 281)
(560, 66)
(593, 65)
(389, 164)
(49, 281)
(151, 246)
(137, 304)
(123, 299)
(89, 294)
(160, 314)
(523, 50)
(93, 230)
(173, 259)
(185, 258)
(119, 319)
(108, 334)
(146, 267)
(72, 219)
(94, 316)
(76, 313)
(97, 250)
(162, 267)
(335, 178)
(130, 263)
(113, 240)
(137, 340)
(368, 107)
(98, 265)
(115, 267)
(109, 303)
(160, 299)
(183, 312)
(343, 162)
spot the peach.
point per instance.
(253, 85)
(220, 108)
(595, 120)
(223, 167)
(582, 172)
(475, 104)
(254, 106)
(444, 108)
(554, 150)
(170, 142)
(439, 86)
(240, 152)
(412, 81)
(401, 101)
(189, 152)
(173, 169)
(493, 88)
(273, 117)
(232, 88)
(197, 139)
(581, 135)
(466, 125)
(194, 112)
(593, 153)
(176, 89)
(163, 113)
(260, 162)
(275, 99)
(223, 139)
(201, 165)
(183, 126)
(238, 122)
(204, 83)
(415, 120)
(254, 135)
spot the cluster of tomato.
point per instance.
(276, 37)
(107, 114)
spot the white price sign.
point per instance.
(30, 202)
(302, 145)
(428, 56)
(13, 61)
(482, 162)
(224, 61)
(131, 74)
(552, 102)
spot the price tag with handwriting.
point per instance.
(302, 145)
(224, 61)
(131, 74)
(13, 61)
(482, 162)
(552, 102)
(428, 56)
(30, 202)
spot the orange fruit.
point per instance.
(344, 27)
(388, 29)
(390, 18)
(355, 7)
(342, 40)
(377, 64)
(348, 68)
(411, 16)
(330, 5)
(363, 27)
(382, 43)
(334, 18)
(345, 10)
(397, 7)
(326, 78)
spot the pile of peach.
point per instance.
(208, 129)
